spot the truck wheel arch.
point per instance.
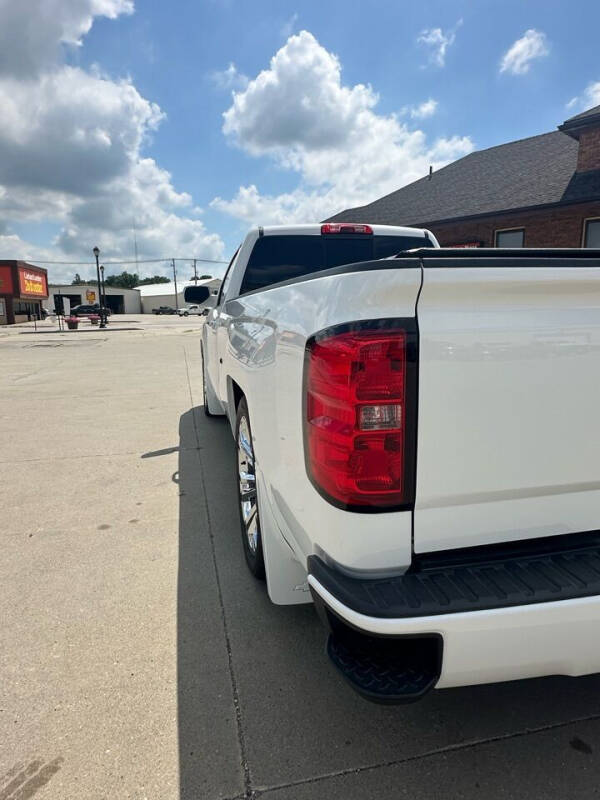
(234, 396)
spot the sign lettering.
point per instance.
(32, 283)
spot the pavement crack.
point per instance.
(249, 794)
(451, 748)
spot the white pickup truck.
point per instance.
(418, 439)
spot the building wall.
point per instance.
(155, 301)
(131, 297)
(23, 288)
(150, 301)
(589, 150)
(549, 227)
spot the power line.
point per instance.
(139, 261)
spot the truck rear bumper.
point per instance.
(500, 644)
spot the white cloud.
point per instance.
(299, 113)
(32, 32)
(144, 198)
(589, 98)
(71, 148)
(289, 26)
(70, 131)
(229, 78)
(299, 100)
(25, 251)
(517, 59)
(438, 42)
(425, 109)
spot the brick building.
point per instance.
(543, 191)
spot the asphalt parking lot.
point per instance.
(139, 658)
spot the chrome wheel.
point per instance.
(247, 479)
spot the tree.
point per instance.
(205, 277)
(154, 279)
(77, 281)
(129, 280)
(126, 280)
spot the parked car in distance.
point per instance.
(195, 309)
(88, 311)
(164, 310)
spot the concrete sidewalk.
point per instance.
(139, 658)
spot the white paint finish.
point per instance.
(509, 402)
(261, 339)
(500, 644)
(286, 576)
(314, 229)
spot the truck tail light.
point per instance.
(345, 227)
(360, 423)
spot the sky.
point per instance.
(174, 127)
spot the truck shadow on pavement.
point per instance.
(259, 705)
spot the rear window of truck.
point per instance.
(280, 258)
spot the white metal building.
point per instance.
(154, 295)
(120, 301)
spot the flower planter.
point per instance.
(94, 319)
(72, 323)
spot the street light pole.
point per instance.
(103, 300)
(96, 252)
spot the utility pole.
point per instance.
(175, 282)
(195, 273)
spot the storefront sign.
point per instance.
(6, 284)
(90, 296)
(32, 283)
(465, 244)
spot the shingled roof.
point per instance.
(591, 112)
(537, 171)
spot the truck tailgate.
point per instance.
(509, 403)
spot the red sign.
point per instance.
(466, 244)
(32, 282)
(6, 283)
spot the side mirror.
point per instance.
(196, 294)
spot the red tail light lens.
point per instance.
(356, 420)
(345, 227)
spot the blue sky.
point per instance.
(127, 103)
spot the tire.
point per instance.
(186, 314)
(247, 496)
(207, 411)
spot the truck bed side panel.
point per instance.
(265, 335)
